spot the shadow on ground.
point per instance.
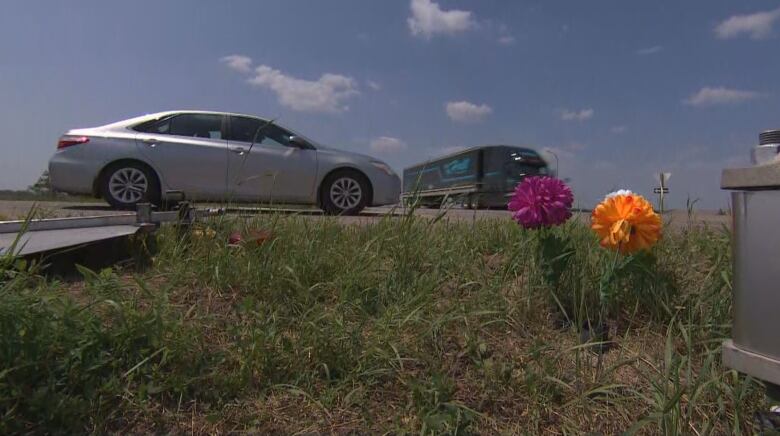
(88, 207)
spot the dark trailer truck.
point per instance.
(479, 177)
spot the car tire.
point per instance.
(345, 193)
(126, 184)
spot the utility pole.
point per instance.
(662, 178)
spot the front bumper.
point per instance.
(387, 191)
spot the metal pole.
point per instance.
(557, 169)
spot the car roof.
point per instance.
(484, 146)
(124, 124)
(156, 115)
(130, 122)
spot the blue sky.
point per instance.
(619, 90)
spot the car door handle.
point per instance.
(238, 150)
(151, 142)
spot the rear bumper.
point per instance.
(69, 173)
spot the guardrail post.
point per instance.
(143, 213)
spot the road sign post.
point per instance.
(662, 189)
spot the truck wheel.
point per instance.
(472, 202)
(447, 203)
(344, 193)
(126, 184)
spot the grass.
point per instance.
(404, 325)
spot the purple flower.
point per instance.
(541, 202)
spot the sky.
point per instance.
(618, 90)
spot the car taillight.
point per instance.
(67, 141)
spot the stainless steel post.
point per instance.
(755, 347)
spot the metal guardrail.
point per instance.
(67, 223)
(25, 237)
(143, 215)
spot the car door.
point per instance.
(265, 166)
(190, 152)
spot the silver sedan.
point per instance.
(216, 156)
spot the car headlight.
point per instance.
(384, 167)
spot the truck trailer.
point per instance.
(479, 177)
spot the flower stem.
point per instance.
(607, 278)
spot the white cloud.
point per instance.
(429, 19)
(506, 40)
(757, 25)
(580, 115)
(373, 85)
(326, 94)
(709, 96)
(466, 112)
(387, 144)
(649, 50)
(240, 63)
(618, 129)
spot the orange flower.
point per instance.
(626, 222)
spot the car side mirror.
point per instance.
(298, 142)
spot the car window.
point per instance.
(193, 125)
(161, 126)
(196, 125)
(274, 136)
(243, 128)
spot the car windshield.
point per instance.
(525, 156)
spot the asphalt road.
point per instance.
(19, 209)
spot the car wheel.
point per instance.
(128, 184)
(345, 193)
